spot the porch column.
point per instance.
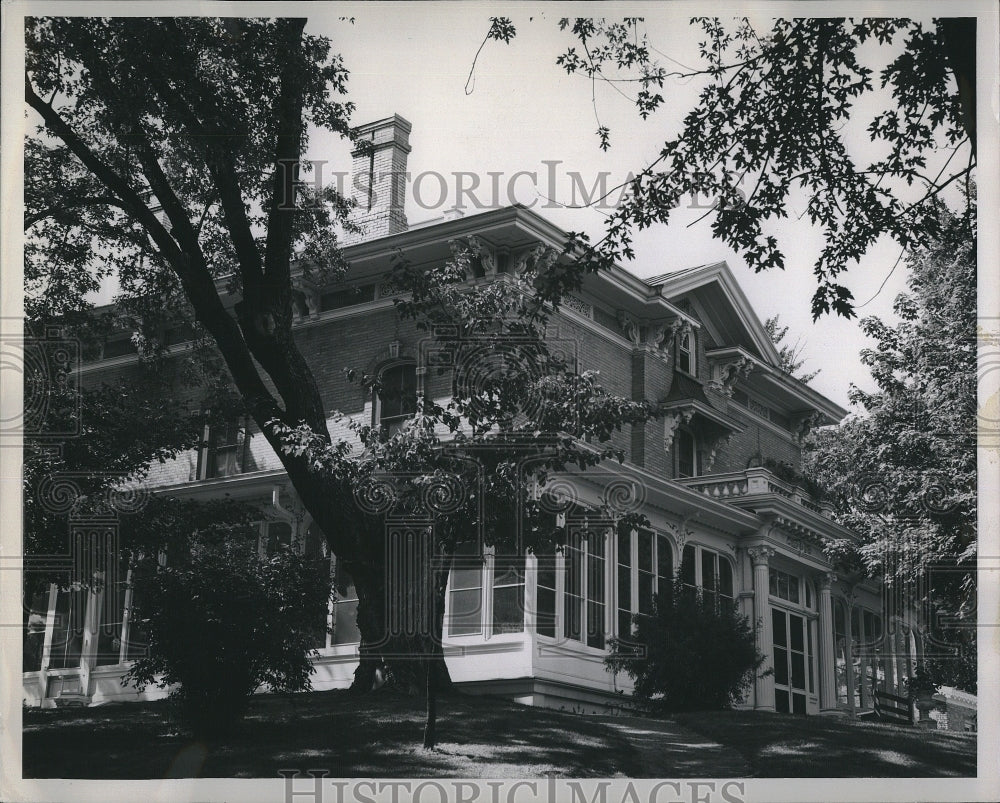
(827, 654)
(763, 686)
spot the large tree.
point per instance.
(778, 120)
(169, 160)
(904, 473)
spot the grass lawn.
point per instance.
(371, 736)
(379, 736)
(784, 745)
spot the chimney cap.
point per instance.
(390, 131)
(395, 121)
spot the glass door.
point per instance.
(789, 631)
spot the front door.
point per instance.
(789, 661)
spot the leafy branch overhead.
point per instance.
(776, 124)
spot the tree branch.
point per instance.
(85, 200)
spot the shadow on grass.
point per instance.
(783, 745)
(376, 735)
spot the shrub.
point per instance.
(223, 621)
(695, 652)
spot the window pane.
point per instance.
(624, 624)
(547, 571)
(34, 631)
(595, 568)
(781, 701)
(687, 566)
(574, 617)
(798, 670)
(664, 565)
(508, 609)
(772, 582)
(624, 588)
(67, 635)
(780, 666)
(645, 593)
(109, 631)
(809, 642)
(465, 599)
(793, 589)
(545, 597)
(795, 632)
(345, 622)
(547, 611)
(398, 394)
(798, 704)
(279, 536)
(778, 625)
(595, 624)
(645, 550)
(624, 546)
(708, 560)
(685, 453)
(725, 578)
(138, 630)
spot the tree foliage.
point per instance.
(173, 145)
(222, 618)
(777, 118)
(904, 473)
(695, 652)
(788, 355)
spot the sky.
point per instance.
(521, 112)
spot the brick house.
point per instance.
(717, 473)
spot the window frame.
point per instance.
(660, 544)
(687, 348)
(397, 421)
(208, 463)
(695, 455)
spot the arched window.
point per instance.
(686, 355)
(396, 399)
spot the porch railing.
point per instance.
(893, 708)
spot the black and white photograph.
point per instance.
(500, 402)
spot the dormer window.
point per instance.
(396, 399)
(686, 361)
(225, 451)
(685, 454)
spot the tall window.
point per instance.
(345, 608)
(651, 574)
(508, 594)
(841, 650)
(708, 571)
(545, 595)
(111, 622)
(67, 634)
(584, 596)
(396, 400)
(686, 361)
(789, 632)
(226, 450)
(685, 453)
(465, 595)
(624, 581)
(866, 637)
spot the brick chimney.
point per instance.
(378, 178)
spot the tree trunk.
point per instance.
(430, 725)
